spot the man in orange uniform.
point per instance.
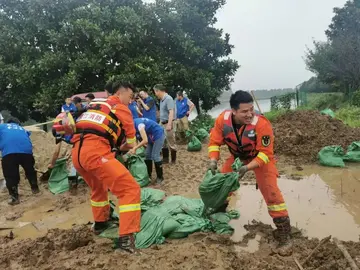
(250, 137)
(99, 131)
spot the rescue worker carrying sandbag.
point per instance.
(250, 137)
(151, 134)
(99, 132)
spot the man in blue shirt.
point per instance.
(148, 106)
(68, 106)
(16, 149)
(151, 134)
(183, 109)
(133, 107)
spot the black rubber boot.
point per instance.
(99, 227)
(159, 172)
(173, 156)
(35, 189)
(283, 234)
(149, 166)
(14, 196)
(126, 243)
(165, 154)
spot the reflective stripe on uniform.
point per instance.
(214, 149)
(99, 204)
(130, 140)
(277, 207)
(129, 208)
(263, 157)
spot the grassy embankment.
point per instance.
(344, 111)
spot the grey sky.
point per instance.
(270, 38)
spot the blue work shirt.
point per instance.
(132, 107)
(153, 130)
(182, 107)
(151, 113)
(14, 140)
(68, 108)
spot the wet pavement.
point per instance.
(326, 202)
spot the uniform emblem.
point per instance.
(265, 140)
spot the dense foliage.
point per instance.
(336, 61)
(52, 49)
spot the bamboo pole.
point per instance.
(257, 104)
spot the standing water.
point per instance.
(321, 204)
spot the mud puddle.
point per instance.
(44, 216)
(326, 202)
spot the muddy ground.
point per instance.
(70, 244)
(301, 135)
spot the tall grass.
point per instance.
(350, 115)
(321, 101)
(272, 115)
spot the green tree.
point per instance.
(50, 50)
(335, 62)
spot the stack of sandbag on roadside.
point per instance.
(335, 156)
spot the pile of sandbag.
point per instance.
(335, 156)
(176, 217)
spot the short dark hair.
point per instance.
(108, 86)
(90, 96)
(160, 87)
(13, 121)
(239, 97)
(180, 93)
(77, 100)
(117, 85)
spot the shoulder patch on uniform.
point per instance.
(265, 140)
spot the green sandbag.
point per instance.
(220, 222)
(188, 225)
(179, 204)
(151, 197)
(236, 165)
(141, 152)
(120, 159)
(214, 189)
(137, 168)
(176, 217)
(328, 112)
(201, 134)
(331, 156)
(151, 228)
(58, 181)
(353, 152)
(194, 144)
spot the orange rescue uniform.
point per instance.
(100, 129)
(253, 142)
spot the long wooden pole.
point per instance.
(346, 254)
(257, 104)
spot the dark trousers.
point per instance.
(10, 166)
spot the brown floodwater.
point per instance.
(324, 202)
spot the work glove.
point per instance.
(213, 166)
(242, 171)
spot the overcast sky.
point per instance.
(270, 38)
